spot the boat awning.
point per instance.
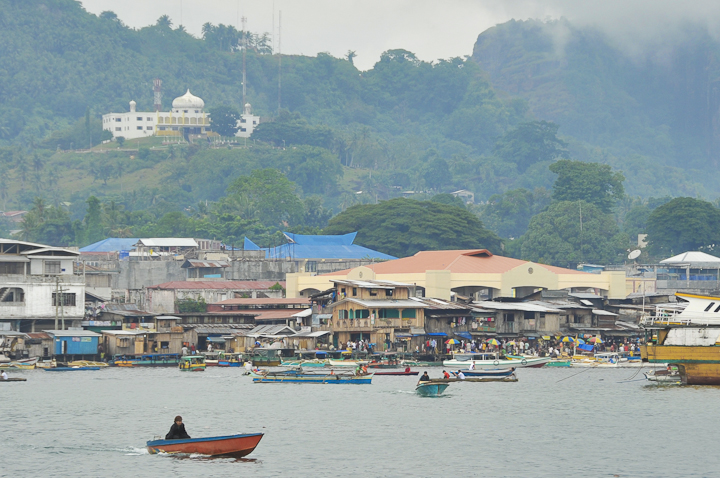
(585, 347)
(417, 332)
(402, 335)
(465, 335)
(218, 340)
(437, 334)
(603, 312)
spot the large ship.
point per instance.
(687, 337)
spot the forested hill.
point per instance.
(662, 103)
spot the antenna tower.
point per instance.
(157, 94)
(279, 60)
(244, 49)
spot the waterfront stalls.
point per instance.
(74, 344)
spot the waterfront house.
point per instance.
(74, 344)
(38, 286)
(267, 311)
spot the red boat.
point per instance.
(397, 373)
(231, 445)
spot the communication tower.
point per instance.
(244, 49)
(157, 93)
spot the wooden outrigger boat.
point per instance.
(296, 376)
(431, 389)
(21, 364)
(148, 360)
(510, 378)
(14, 379)
(399, 372)
(231, 445)
(493, 360)
(505, 372)
(192, 363)
(70, 369)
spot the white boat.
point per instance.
(607, 360)
(346, 363)
(664, 376)
(492, 360)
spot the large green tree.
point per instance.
(402, 227)
(509, 214)
(592, 182)
(530, 143)
(684, 224)
(571, 232)
(224, 120)
(266, 195)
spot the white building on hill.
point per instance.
(187, 117)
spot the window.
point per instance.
(118, 129)
(148, 119)
(139, 118)
(389, 314)
(709, 306)
(352, 314)
(342, 314)
(52, 267)
(11, 295)
(373, 292)
(408, 314)
(388, 292)
(118, 119)
(164, 345)
(197, 111)
(65, 299)
(509, 317)
(718, 309)
(342, 291)
(362, 314)
(139, 127)
(311, 266)
(354, 291)
(7, 268)
(185, 111)
(149, 128)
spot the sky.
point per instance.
(430, 29)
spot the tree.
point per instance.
(402, 227)
(592, 182)
(224, 120)
(351, 55)
(571, 232)
(509, 214)
(684, 224)
(447, 198)
(265, 194)
(436, 171)
(93, 221)
(530, 143)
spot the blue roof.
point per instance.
(300, 246)
(112, 244)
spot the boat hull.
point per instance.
(431, 389)
(396, 373)
(698, 365)
(14, 379)
(498, 363)
(488, 373)
(324, 379)
(70, 369)
(232, 445)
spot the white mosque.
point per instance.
(187, 117)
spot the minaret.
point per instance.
(157, 93)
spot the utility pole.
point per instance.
(56, 302)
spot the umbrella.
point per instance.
(596, 340)
(512, 342)
(568, 339)
(580, 341)
(452, 341)
(492, 342)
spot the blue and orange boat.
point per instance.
(231, 445)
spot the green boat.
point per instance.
(558, 363)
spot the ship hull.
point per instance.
(698, 365)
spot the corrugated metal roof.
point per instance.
(72, 333)
(373, 284)
(271, 330)
(266, 301)
(195, 264)
(274, 314)
(522, 306)
(319, 247)
(221, 285)
(167, 242)
(112, 244)
(39, 335)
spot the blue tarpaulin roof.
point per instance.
(585, 347)
(465, 335)
(437, 334)
(300, 246)
(112, 244)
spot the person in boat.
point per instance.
(177, 430)
(425, 378)
(472, 365)
(4, 375)
(445, 374)
(407, 369)
(460, 375)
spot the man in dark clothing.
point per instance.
(177, 430)
(424, 378)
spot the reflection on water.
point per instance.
(602, 422)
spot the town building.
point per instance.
(38, 287)
(475, 274)
(186, 119)
(268, 311)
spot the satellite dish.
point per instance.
(634, 254)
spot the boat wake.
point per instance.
(134, 451)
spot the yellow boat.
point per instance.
(689, 339)
(192, 363)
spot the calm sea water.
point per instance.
(553, 422)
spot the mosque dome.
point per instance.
(188, 101)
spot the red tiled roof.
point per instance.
(471, 261)
(39, 335)
(274, 314)
(222, 285)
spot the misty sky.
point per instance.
(431, 29)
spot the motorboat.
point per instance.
(231, 445)
(431, 389)
(192, 363)
(298, 376)
(605, 360)
(492, 360)
(664, 375)
(397, 372)
(503, 372)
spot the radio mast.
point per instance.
(244, 49)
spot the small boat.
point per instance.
(21, 364)
(664, 376)
(231, 445)
(493, 360)
(502, 372)
(70, 369)
(399, 372)
(14, 379)
(431, 389)
(87, 363)
(294, 376)
(147, 360)
(192, 363)
(509, 378)
(229, 360)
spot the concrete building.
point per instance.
(268, 311)
(186, 118)
(38, 286)
(476, 274)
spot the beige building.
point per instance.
(476, 274)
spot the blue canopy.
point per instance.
(585, 347)
(112, 244)
(437, 334)
(465, 335)
(302, 246)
